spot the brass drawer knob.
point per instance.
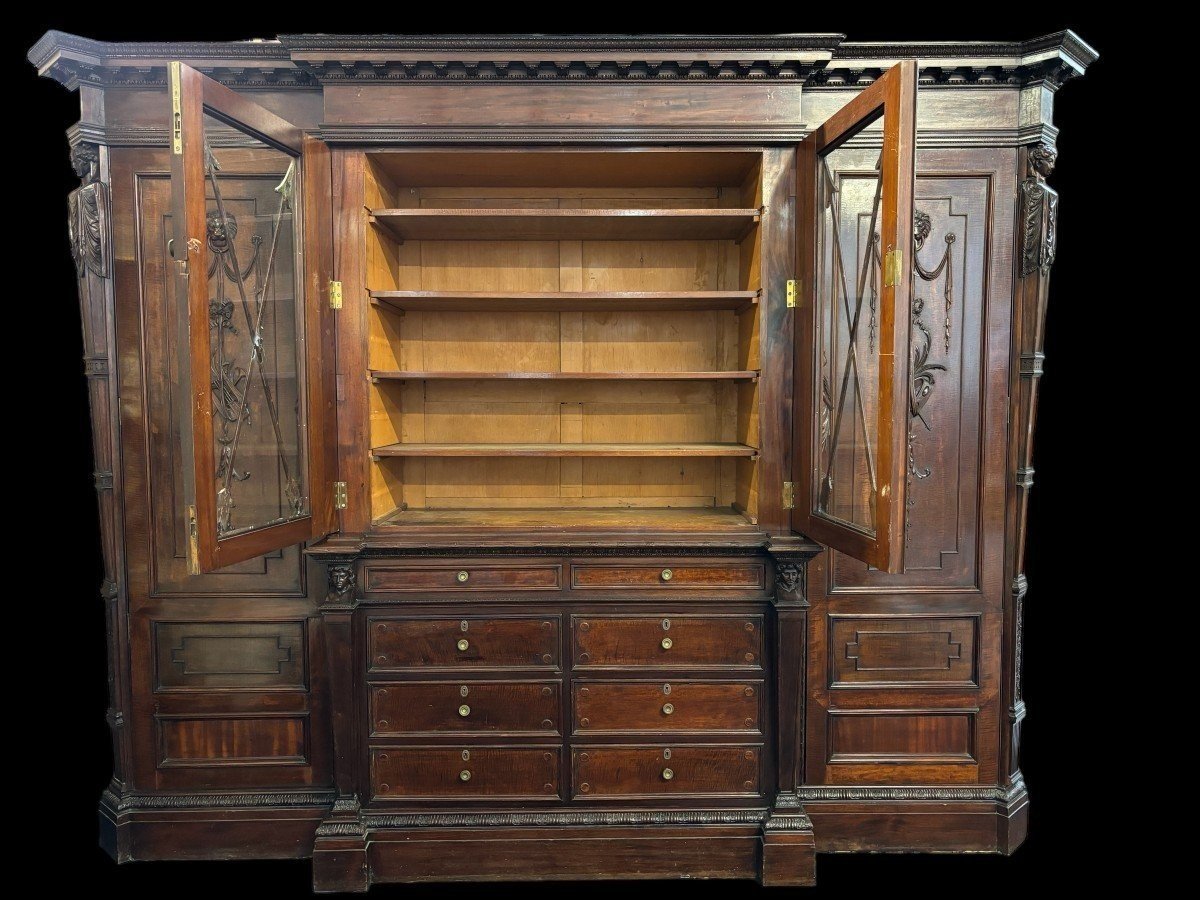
(668, 709)
(463, 576)
(464, 775)
(668, 774)
(463, 643)
(464, 710)
(667, 574)
(667, 643)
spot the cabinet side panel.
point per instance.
(220, 666)
(893, 656)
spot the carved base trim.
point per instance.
(118, 802)
(894, 792)
(566, 817)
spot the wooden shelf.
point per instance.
(378, 376)
(574, 450)
(479, 224)
(562, 301)
(657, 519)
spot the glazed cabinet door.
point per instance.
(852, 389)
(252, 249)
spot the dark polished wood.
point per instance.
(669, 641)
(601, 772)
(470, 642)
(585, 658)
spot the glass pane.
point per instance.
(847, 297)
(255, 331)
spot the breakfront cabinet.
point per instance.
(563, 457)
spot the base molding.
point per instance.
(966, 819)
(259, 825)
(352, 848)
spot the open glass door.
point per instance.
(854, 230)
(252, 243)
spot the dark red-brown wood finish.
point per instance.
(623, 696)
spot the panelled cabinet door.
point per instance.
(852, 393)
(252, 236)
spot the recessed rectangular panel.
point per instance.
(926, 736)
(879, 651)
(249, 740)
(229, 655)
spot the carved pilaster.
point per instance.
(88, 225)
(788, 849)
(1037, 245)
(339, 854)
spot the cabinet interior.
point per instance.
(562, 337)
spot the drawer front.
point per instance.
(488, 577)
(667, 640)
(734, 576)
(458, 773)
(605, 706)
(467, 643)
(478, 706)
(604, 772)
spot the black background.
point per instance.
(60, 745)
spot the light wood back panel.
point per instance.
(553, 412)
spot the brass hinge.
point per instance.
(193, 540)
(176, 110)
(893, 263)
(339, 495)
(789, 495)
(791, 294)
(335, 295)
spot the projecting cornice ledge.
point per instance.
(1052, 59)
(310, 60)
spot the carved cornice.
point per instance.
(72, 60)
(568, 817)
(308, 60)
(1052, 59)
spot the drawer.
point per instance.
(606, 706)
(487, 577)
(466, 643)
(697, 576)
(605, 772)
(448, 707)
(457, 773)
(667, 640)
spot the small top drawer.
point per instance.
(668, 641)
(642, 576)
(389, 579)
(465, 643)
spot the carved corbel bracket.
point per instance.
(791, 556)
(342, 580)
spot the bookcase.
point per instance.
(527, 457)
